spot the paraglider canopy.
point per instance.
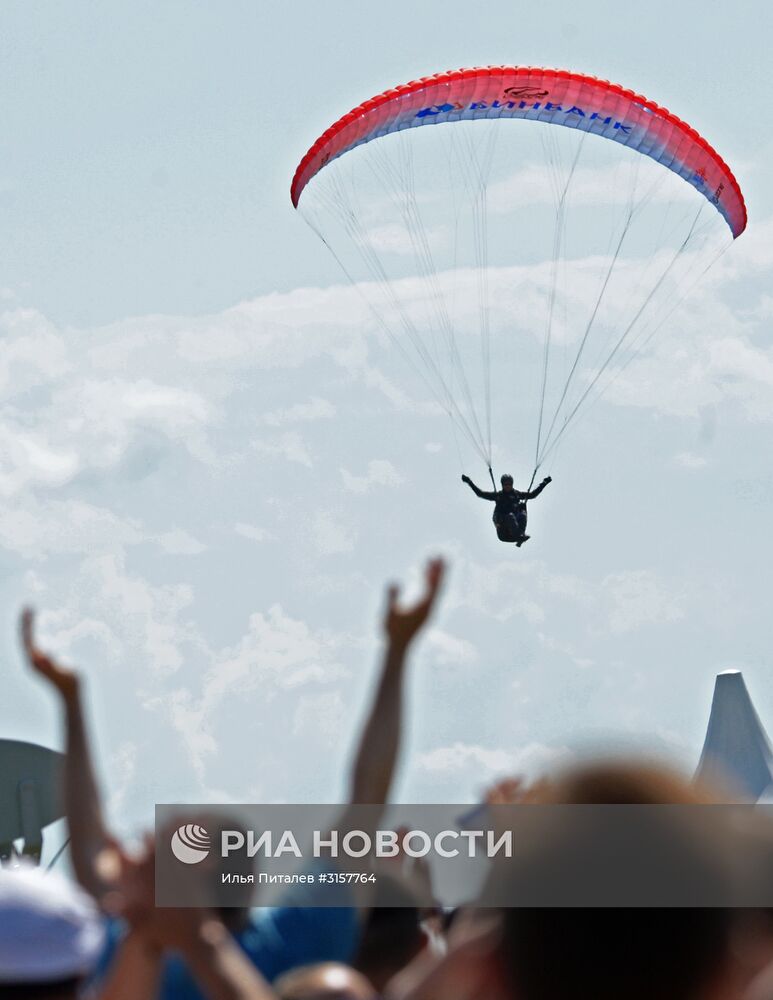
(547, 95)
(496, 236)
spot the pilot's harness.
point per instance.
(520, 504)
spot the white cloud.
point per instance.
(459, 756)
(380, 473)
(179, 543)
(709, 369)
(689, 460)
(251, 531)
(275, 648)
(398, 397)
(565, 649)
(277, 331)
(763, 309)
(315, 409)
(122, 387)
(330, 535)
(325, 713)
(34, 352)
(289, 446)
(618, 603)
(706, 357)
(146, 618)
(277, 653)
(122, 768)
(66, 633)
(37, 529)
(451, 649)
(590, 185)
(189, 721)
(28, 461)
(471, 763)
(67, 412)
(505, 589)
(395, 238)
(638, 598)
(104, 415)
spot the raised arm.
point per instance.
(538, 489)
(379, 744)
(198, 936)
(89, 835)
(483, 494)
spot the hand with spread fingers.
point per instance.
(402, 625)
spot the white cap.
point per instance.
(49, 928)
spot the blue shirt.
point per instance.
(275, 940)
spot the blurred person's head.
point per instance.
(51, 935)
(325, 981)
(582, 953)
(604, 953)
(621, 782)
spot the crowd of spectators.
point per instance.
(100, 934)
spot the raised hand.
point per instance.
(403, 624)
(466, 479)
(64, 679)
(217, 963)
(135, 901)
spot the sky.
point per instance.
(210, 467)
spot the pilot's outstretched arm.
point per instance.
(477, 491)
(537, 490)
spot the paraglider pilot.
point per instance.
(509, 507)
